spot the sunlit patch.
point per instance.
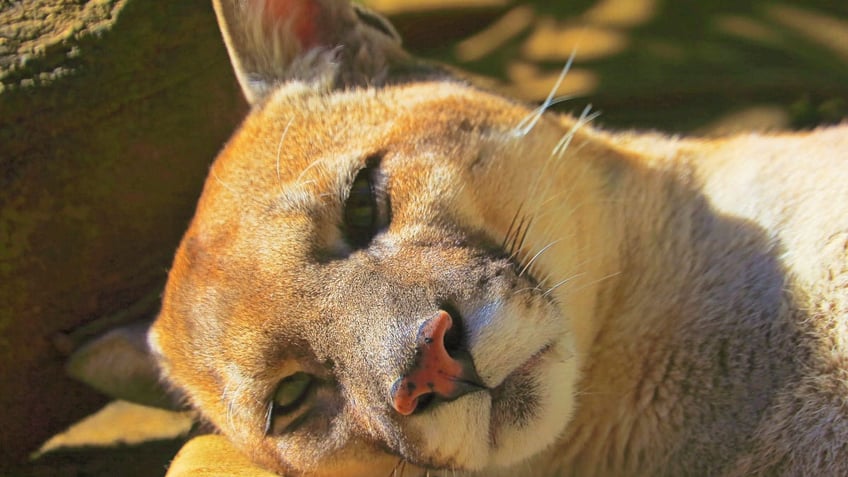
(622, 13)
(823, 29)
(120, 423)
(529, 82)
(552, 41)
(393, 7)
(757, 118)
(496, 35)
(747, 28)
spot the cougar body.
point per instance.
(618, 303)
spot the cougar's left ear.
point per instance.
(321, 43)
(121, 365)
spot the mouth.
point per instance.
(520, 401)
(521, 372)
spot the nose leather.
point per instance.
(435, 371)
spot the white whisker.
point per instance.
(227, 397)
(528, 123)
(599, 280)
(539, 111)
(538, 254)
(229, 188)
(561, 283)
(563, 197)
(279, 154)
(582, 120)
(523, 290)
(305, 170)
(269, 415)
(556, 154)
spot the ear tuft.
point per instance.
(324, 43)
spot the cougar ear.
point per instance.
(322, 43)
(120, 364)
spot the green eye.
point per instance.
(291, 392)
(361, 209)
(361, 216)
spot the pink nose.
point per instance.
(435, 372)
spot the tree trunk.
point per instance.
(110, 113)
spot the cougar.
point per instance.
(392, 271)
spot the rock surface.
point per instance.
(110, 114)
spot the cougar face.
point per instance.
(324, 244)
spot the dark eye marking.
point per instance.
(366, 208)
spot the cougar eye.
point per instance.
(292, 392)
(364, 213)
(360, 215)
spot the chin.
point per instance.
(531, 408)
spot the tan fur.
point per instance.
(213, 455)
(678, 307)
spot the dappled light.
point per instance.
(772, 118)
(552, 42)
(513, 23)
(621, 13)
(678, 66)
(748, 29)
(530, 82)
(391, 7)
(818, 27)
(121, 422)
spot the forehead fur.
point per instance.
(297, 124)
